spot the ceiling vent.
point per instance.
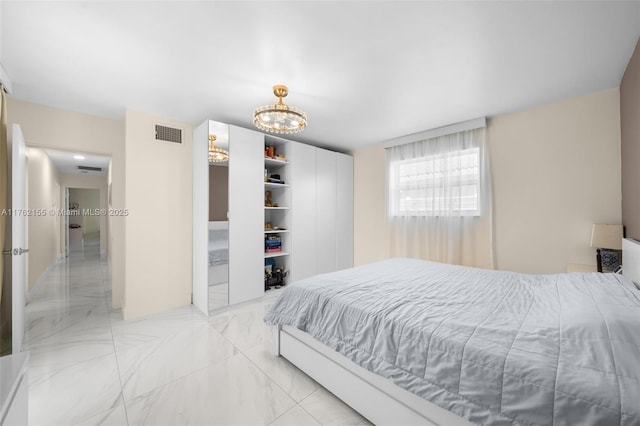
(89, 169)
(168, 134)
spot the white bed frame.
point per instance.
(375, 397)
(631, 259)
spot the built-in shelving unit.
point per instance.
(310, 212)
(276, 185)
(277, 207)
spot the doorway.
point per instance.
(84, 217)
(57, 181)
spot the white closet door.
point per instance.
(344, 212)
(303, 226)
(200, 289)
(326, 181)
(246, 214)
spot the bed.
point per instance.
(218, 262)
(405, 341)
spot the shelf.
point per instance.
(274, 162)
(276, 185)
(277, 254)
(276, 208)
(276, 231)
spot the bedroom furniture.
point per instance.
(277, 209)
(607, 240)
(322, 222)
(14, 385)
(313, 218)
(550, 364)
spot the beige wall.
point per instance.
(109, 206)
(89, 181)
(43, 189)
(159, 200)
(73, 131)
(630, 133)
(556, 171)
(369, 225)
(89, 199)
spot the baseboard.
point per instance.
(42, 277)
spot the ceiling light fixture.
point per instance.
(279, 118)
(216, 155)
(78, 157)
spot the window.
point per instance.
(436, 185)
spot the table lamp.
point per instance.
(608, 240)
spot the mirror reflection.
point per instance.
(218, 273)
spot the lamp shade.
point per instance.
(606, 236)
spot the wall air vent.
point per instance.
(90, 169)
(168, 134)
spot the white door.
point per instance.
(326, 182)
(344, 212)
(200, 288)
(66, 222)
(18, 242)
(304, 226)
(246, 215)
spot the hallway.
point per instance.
(90, 367)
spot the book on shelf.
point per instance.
(270, 246)
(273, 250)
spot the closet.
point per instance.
(322, 223)
(290, 209)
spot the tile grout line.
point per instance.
(115, 353)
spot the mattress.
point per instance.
(494, 347)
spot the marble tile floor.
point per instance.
(90, 367)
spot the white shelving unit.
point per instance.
(277, 215)
(313, 217)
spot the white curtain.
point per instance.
(439, 200)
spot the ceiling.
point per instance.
(363, 71)
(68, 162)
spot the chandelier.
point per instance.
(279, 118)
(216, 155)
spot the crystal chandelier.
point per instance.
(216, 155)
(279, 118)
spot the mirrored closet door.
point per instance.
(218, 227)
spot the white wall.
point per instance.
(159, 225)
(43, 192)
(556, 171)
(73, 131)
(110, 238)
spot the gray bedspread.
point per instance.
(494, 347)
